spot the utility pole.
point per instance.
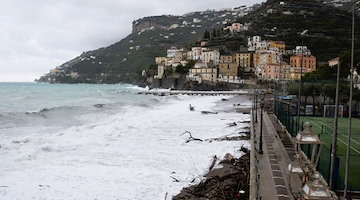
(301, 69)
(355, 7)
(256, 120)
(261, 126)
(334, 139)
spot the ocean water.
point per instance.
(108, 142)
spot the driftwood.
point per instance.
(245, 122)
(208, 112)
(191, 138)
(232, 124)
(213, 163)
(175, 179)
(229, 182)
(226, 138)
(192, 108)
(229, 157)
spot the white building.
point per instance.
(300, 49)
(253, 42)
(171, 53)
(211, 55)
(203, 73)
(161, 71)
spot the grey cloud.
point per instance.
(38, 35)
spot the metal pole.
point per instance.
(356, 6)
(301, 69)
(261, 128)
(256, 120)
(334, 139)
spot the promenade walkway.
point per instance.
(274, 181)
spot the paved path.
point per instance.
(274, 181)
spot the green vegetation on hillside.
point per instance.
(329, 34)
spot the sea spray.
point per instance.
(130, 147)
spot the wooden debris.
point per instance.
(229, 157)
(232, 124)
(175, 179)
(192, 108)
(191, 138)
(223, 183)
(208, 112)
(213, 163)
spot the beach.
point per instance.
(108, 142)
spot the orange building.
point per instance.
(308, 65)
(277, 72)
(308, 62)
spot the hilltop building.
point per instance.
(300, 49)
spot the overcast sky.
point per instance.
(38, 35)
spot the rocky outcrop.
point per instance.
(143, 25)
(154, 22)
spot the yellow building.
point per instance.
(228, 72)
(226, 59)
(278, 44)
(228, 69)
(159, 60)
(243, 60)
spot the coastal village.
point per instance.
(262, 58)
(285, 159)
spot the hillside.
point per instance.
(329, 34)
(329, 28)
(151, 36)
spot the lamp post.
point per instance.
(261, 124)
(355, 7)
(256, 120)
(301, 69)
(334, 139)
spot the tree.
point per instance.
(345, 62)
(309, 90)
(324, 72)
(356, 95)
(293, 89)
(328, 90)
(207, 34)
(214, 34)
(315, 92)
(185, 69)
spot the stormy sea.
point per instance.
(85, 141)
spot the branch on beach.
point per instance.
(213, 162)
(191, 138)
(229, 182)
(227, 138)
(175, 179)
(232, 124)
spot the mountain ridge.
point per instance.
(151, 36)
